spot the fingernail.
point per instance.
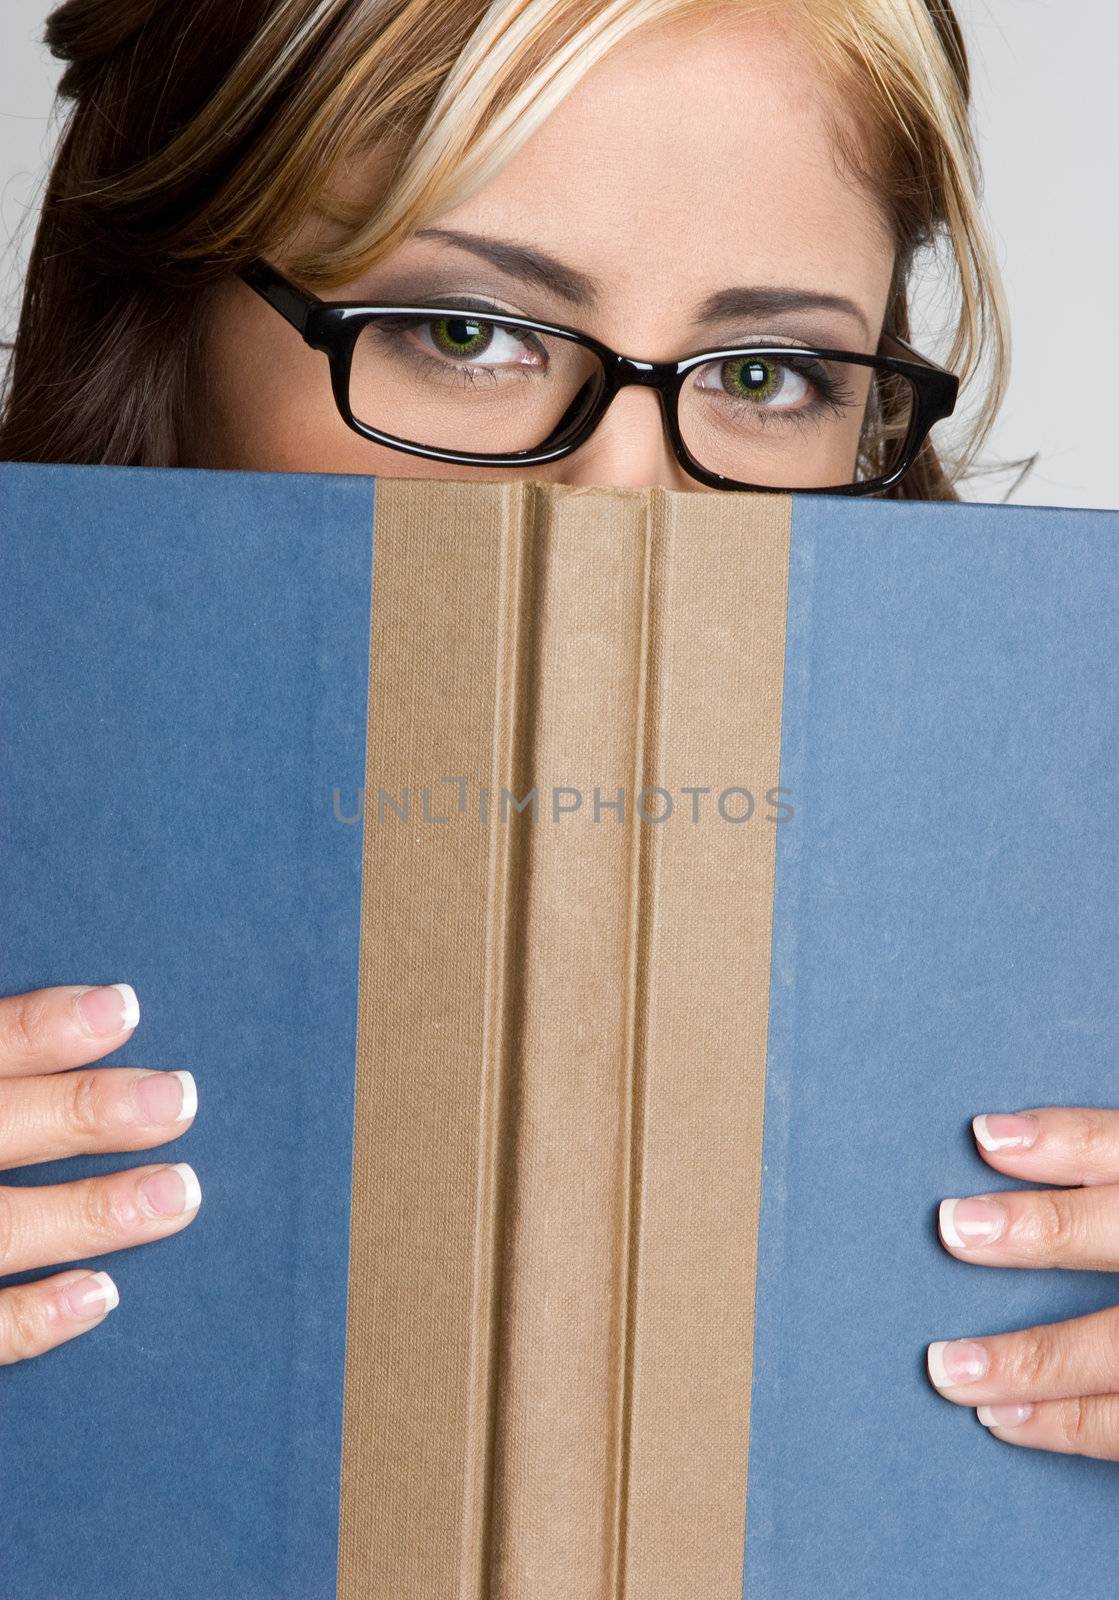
(956, 1361)
(1001, 1131)
(110, 1009)
(1003, 1416)
(172, 1190)
(976, 1220)
(165, 1096)
(90, 1296)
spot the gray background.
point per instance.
(1046, 94)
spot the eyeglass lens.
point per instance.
(462, 382)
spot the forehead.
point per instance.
(696, 153)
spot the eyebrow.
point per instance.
(522, 261)
(581, 289)
(771, 302)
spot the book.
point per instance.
(592, 917)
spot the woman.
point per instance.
(732, 195)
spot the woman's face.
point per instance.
(688, 164)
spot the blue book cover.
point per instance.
(570, 1170)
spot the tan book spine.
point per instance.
(561, 1041)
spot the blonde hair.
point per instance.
(196, 140)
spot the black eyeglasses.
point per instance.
(768, 416)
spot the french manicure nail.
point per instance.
(90, 1296)
(172, 1190)
(1003, 1131)
(109, 1009)
(976, 1220)
(956, 1361)
(1003, 1416)
(165, 1096)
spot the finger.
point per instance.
(1085, 1426)
(1054, 1361)
(95, 1108)
(1053, 1144)
(89, 1216)
(36, 1316)
(48, 1030)
(1035, 1228)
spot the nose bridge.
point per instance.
(623, 448)
(649, 374)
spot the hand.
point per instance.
(47, 1112)
(1054, 1387)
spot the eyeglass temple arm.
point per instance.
(891, 345)
(294, 304)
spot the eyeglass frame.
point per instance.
(334, 327)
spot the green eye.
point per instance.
(752, 377)
(452, 335)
